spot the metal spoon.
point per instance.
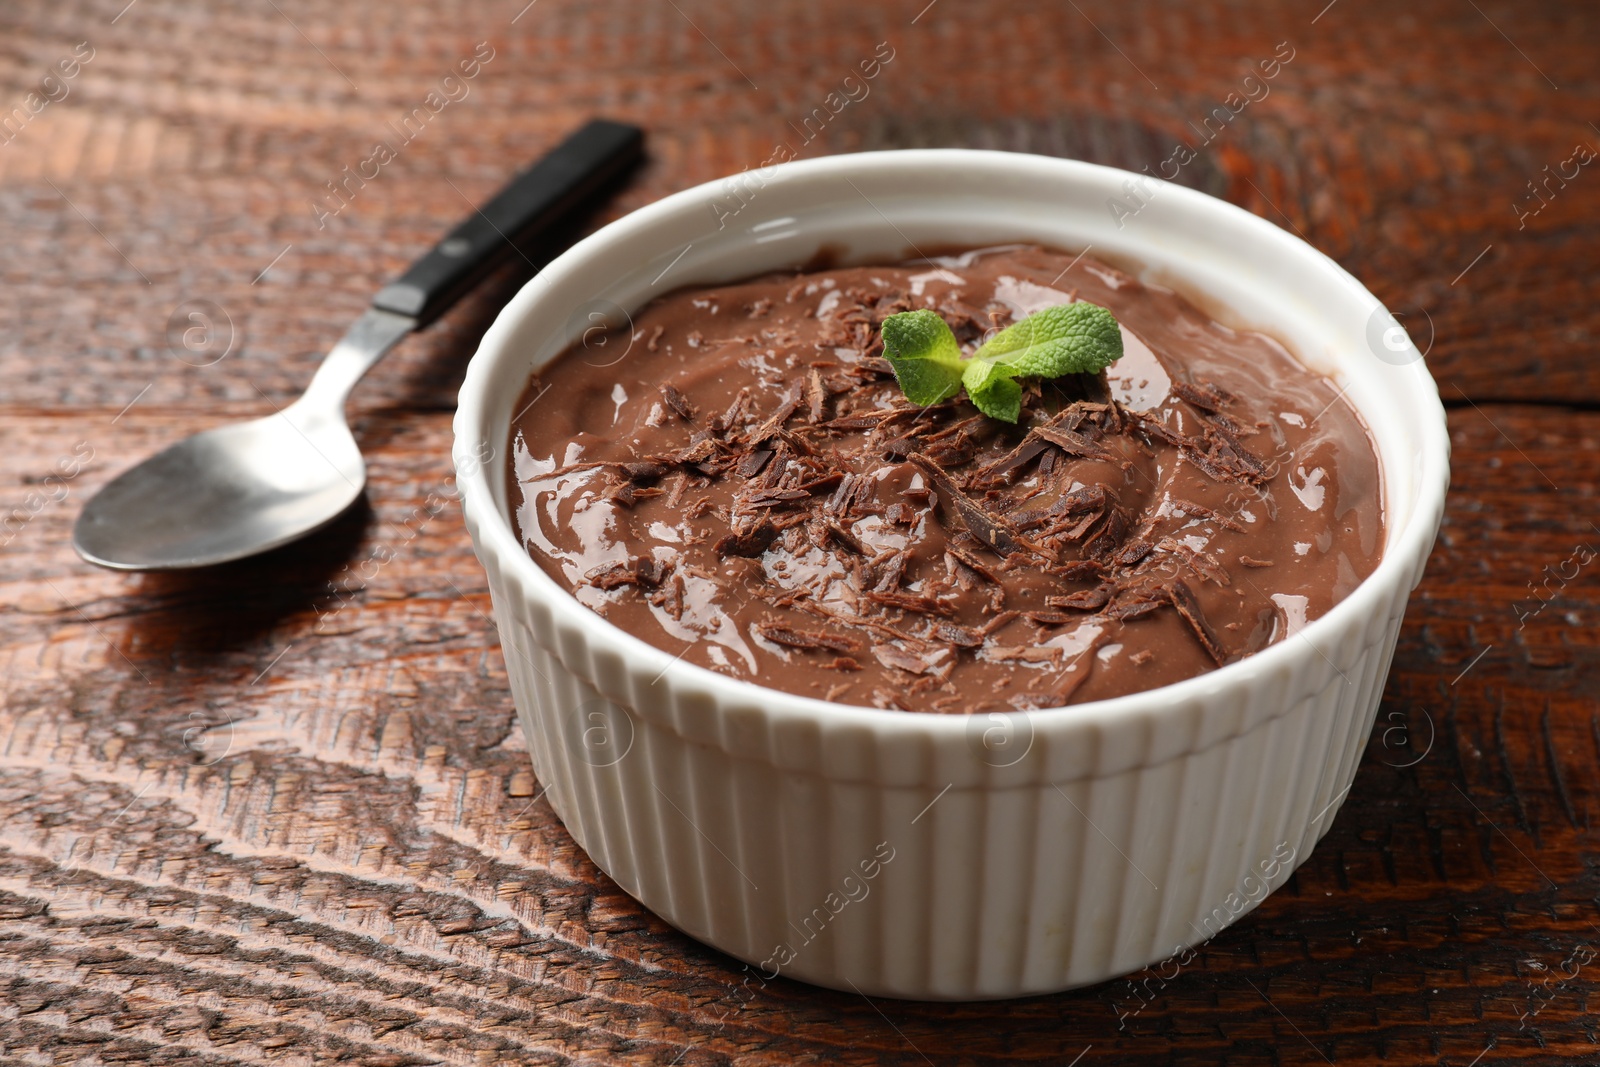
(239, 490)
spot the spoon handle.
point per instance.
(537, 200)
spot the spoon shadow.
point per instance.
(202, 618)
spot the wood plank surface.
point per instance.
(280, 812)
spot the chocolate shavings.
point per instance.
(1188, 606)
(992, 530)
(788, 636)
(646, 573)
(677, 402)
(749, 543)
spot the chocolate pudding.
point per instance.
(738, 479)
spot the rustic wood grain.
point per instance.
(279, 812)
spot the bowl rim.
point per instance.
(493, 532)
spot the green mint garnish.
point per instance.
(1076, 338)
(927, 361)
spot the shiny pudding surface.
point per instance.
(737, 478)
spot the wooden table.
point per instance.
(280, 812)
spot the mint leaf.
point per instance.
(991, 389)
(926, 358)
(1077, 338)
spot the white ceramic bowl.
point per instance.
(939, 856)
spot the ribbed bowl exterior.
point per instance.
(1098, 852)
(949, 857)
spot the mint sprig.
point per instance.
(1076, 338)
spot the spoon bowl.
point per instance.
(225, 494)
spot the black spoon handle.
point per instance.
(536, 200)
